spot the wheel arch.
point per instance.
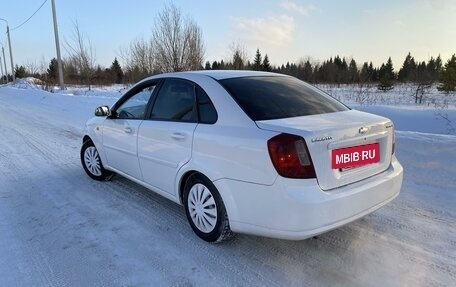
(223, 231)
(183, 181)
(95, 141)
(92, 162)
(191, 168)
(86, 138)
(227, 197)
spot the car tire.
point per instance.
(92, 164)
(205, 210)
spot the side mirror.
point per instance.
(102, 111)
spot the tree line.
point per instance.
(337, 70)
(176, 44)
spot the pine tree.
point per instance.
(257, 61)
(116, 71)
(364, 76)
(353, 74)
(222, 65)
(438, 63)
(373, 73)
(431, 69)
(422, 75)
(434, 68)
(102, 77)
(408, 71)
(207, 66)
(340, 70)
(215, 65)
(52, 70)
(448, 76)
(386, 75)
(238, 62)
(343, 71)
(266, 65)
(308, 71)
(20, 72)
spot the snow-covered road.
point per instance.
(60, 228)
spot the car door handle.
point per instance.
(128, 130)
(178, 136)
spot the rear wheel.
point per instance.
(205, 210)
(90, 159)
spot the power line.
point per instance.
(23, 23)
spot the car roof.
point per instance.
(221, 74)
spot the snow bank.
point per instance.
(26, 83)
(30, 83)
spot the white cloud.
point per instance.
(265, 32)
(292, 6)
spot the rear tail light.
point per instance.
(290, 156)
(394, 141)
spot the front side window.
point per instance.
(175, 102)
(277, 97)
(135, 106)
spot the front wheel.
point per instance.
(205, 210)
(91, 162)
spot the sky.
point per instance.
(286, 30)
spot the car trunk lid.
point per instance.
(340, 133)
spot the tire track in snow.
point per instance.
(30, 219)
(12, 167)
(169, 217)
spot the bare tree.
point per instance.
(32, 67)
(138, 60)
(82, 54)
(422, 88)
(177, 42)
(43, 65)
(71, 70)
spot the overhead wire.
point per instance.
(23, 23)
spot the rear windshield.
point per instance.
(276, 97)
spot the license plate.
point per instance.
(355, 156)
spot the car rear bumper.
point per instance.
(298, 209)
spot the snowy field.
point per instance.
(60, 228)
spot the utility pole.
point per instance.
(1, 67)
(57, 47)
(4, 62)
(11, 53)
(10, 50)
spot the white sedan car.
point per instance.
(247, 152)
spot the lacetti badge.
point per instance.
(321, 139)
(355, 156)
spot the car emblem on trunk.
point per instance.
(321, 139)
(363, 130)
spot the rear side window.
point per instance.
(276, 97)
(175, 102)
(206, 110)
